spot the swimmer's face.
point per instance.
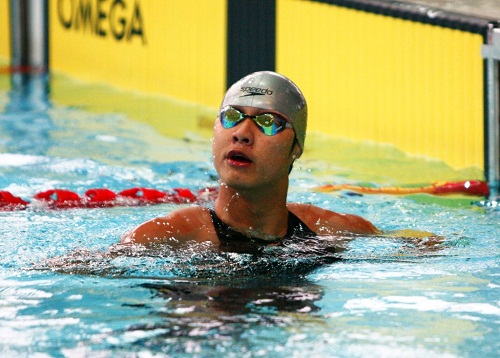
(245, 157)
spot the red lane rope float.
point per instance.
(102, 197)
(466, 187)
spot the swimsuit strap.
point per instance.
(297, 226)
(225, 232)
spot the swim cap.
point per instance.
(270, 90)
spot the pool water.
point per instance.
(65, 291)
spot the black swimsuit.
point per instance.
(235, 241)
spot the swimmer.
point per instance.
(259, 133)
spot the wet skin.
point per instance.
(254, 173)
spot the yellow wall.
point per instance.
(165, 47)
(366, 76)
(4, 31)
(373, 77)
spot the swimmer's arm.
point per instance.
(158, 230)
(175, 229)
(353, 224)
(326, 222)
(338, 229)
(424, 240)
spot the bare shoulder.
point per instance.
(328, 222)
(192, 223)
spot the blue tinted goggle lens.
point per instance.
(268, 123)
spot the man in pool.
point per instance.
(258, 134)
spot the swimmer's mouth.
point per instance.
(239, 157)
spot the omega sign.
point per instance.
(121, 19)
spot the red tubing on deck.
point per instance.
(24, 69)
(466, 187)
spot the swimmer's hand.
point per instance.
(420, 240)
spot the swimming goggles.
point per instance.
(268, 123)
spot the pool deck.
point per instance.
(485, 9)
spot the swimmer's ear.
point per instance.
(296, 152)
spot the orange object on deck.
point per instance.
(466, 187)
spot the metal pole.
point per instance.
(29, 35)
(491, 53)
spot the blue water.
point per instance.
(65, 292)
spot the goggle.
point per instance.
(268, 123)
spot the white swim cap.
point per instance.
(270, 90)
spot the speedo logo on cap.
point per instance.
(255, 91)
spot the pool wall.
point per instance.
(379, 71)
(375, 75)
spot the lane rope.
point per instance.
(105, 198)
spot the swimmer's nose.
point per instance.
(243, 132)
